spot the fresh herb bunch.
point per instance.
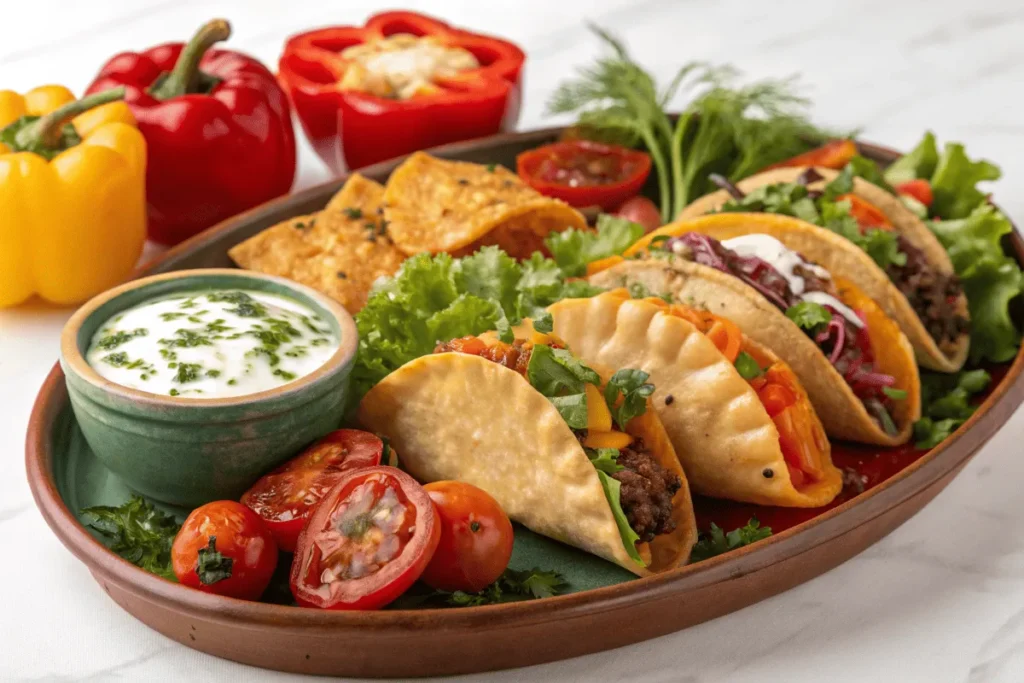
(946, 402)
(727, 129)
(715, 542)
(511, 586)
(138, 532)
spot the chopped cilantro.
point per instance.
(809, 316)
(187, 372)
(138, 532)
(715, 542)
(634, 388)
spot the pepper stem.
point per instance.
(185, 76)
(47, 129)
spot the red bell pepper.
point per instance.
(350, 128)
(834, 154)
(218, 129)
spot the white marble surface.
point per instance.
(941, 599)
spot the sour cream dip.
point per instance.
(212, 344)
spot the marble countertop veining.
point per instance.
(940, 599)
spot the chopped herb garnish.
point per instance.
(187, 372)
(186, 339)
(716, 541)
(213, 373)
(895, 394)
(171, 315)
(284, 374)
(491, 167)
(353, 212)
(174, 392)
(138, 532)
(118, 360)
(114, 340)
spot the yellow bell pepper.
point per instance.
(72, 198)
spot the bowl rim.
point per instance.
(73, 360)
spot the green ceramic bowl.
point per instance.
(189, 451)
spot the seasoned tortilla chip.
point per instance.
(450, 416)
(721, 432)
(843, 257)
(339, 251)
(435, 205)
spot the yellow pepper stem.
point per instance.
(185, 76)
(47, 129)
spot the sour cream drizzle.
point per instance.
(785, 261)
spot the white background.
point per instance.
(941, 599)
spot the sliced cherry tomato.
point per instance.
(834, 154)
(919, 189)
(285, 497)
(866, 214)
(367, 542)
(476, 538)
(224, 548)
(640, 210)
(585, 173)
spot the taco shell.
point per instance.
(462, 417)
(722, 433)
(437, 205)
(842, 413)
(842, 257)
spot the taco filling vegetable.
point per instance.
(806, 294)
(932, 294)
(644, 488)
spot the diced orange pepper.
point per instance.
(834, 154)
(599, 418)
(618, 440)
(866, 214)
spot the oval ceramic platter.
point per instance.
(607, 604)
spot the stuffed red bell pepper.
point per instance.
(400, 83)
(218, 129)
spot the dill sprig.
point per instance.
(725, 128)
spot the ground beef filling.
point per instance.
(646, 490)
(514, 356)
(932, 296)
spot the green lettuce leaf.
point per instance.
(946, 401)
(868, 170)
(562, 378)
(437, 298)
(990, 279)
(612, 491)
(634, 388)
(605, 459)
(809, 316)
(955, 180)
(573, 249)
(919, 163)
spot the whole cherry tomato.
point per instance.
(223, 548)
(476, 538)
(285, 497)
(367, 542)
(640, 210)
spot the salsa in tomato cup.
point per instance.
(585, 173)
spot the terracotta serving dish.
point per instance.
(455, 641)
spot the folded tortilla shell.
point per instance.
(462, 417)
(437, 205)
(844, 258)
(722, 434)
(842, 413)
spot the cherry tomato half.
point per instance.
(367, 542)
(919, 189)
(641, 210)
(224, 548)
(476, 538)
(285, 497)
(585, 173)
(865, 213)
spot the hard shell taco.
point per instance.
(856, 365)
(570, 452)
(739, 419)
(872, 238)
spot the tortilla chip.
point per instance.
(842, 413)
(435, 205)
(721, 432)
(338, 252)
(448, 414)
